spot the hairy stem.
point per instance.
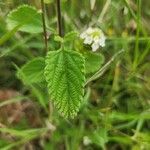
(44, 25)
(59, 18)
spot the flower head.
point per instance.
(86, 140)
(94, 37)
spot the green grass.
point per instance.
(116, 110)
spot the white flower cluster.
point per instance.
(94, 37)
(86, 140)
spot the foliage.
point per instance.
(64, 73)
(93, 62)
(33, 71)
(27, 17)
(111, 113)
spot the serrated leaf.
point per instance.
(33, 71)
(27, 17)
(65, 76)
(93, 62)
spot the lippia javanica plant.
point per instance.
(68, 64)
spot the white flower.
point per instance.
(89, 30)
(86, 140)
(94, 37)
(95, 46)
(83, 35)
(102, 41)
(88, 40)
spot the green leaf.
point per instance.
(93, 62)
(65, 76)
(27, 17)
(70, 36)
(33, 71)
(58, 39)
(100, 137)
(41, 93)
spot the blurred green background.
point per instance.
(116, 112)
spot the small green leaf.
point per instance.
(65, 76)
(27, 17)
(100, 137)
(93, 62)
(70, 36)
(58, 39)
(33, 71)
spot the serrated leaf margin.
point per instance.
(60, 109)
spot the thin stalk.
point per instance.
(105, 9)
(44, 25)
(130, 9)
(59, 18)
(9, 34)
(13, 100)
(136, 53)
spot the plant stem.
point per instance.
(104, 10)
(136, 53)
(44, 25)
(59, 18)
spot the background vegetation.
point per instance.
(116, 111)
